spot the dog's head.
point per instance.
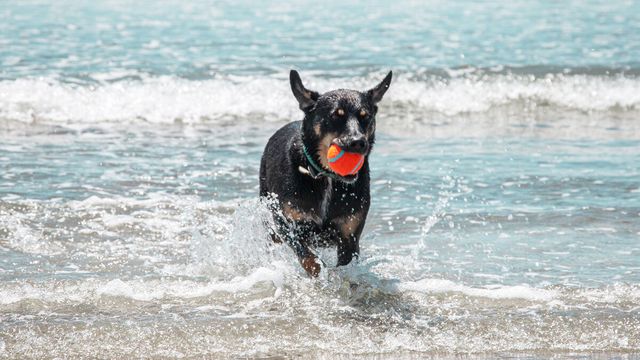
(343, 117)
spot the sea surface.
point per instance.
(505, 219)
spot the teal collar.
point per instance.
(317, 169)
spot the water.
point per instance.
(505, 216)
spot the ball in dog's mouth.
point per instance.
(344, 163)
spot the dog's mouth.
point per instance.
(349, 179)
(323, 147)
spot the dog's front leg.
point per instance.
(349, 228)
(293, 232)
(307, 259)
(348, 249)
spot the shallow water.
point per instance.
(148, 242)
(505, 216)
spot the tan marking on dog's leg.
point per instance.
(311, 265)
(348, 225)
(316, 129)
(294, 214)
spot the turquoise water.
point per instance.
(196, 40)
(505, 218)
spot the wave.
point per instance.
(110, 98)
(148, 290)
(272, 280)
(491, 292)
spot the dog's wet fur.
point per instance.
(320, 208)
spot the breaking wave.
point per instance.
(115, 98)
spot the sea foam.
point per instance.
(168, 99)
(491, 292)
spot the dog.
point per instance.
(313, 206)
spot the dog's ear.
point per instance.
(306, 98)
(377, 92)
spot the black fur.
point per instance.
(321, 209)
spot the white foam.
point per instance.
(24, 237)
(156, 100)
(152, 290)
(492, 292)
(169, 99)
(578, 92)
(614, 293)
(91, 290)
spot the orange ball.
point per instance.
(342, 162)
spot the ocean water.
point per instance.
(505, 217)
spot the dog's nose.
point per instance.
(358, 145)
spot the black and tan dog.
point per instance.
(314, 206)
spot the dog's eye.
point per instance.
(363, 113)
(339, 112)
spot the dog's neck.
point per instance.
(314, 169)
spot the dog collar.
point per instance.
(316, 171)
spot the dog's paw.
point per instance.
(311, 265)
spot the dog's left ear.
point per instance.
(306, 98)
(377, 92)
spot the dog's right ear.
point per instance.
(306, 98)
(377, 92)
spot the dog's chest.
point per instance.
(326, 201)
(334, 203)
(318, 209)
(329, 203)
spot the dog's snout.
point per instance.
(357, 145)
